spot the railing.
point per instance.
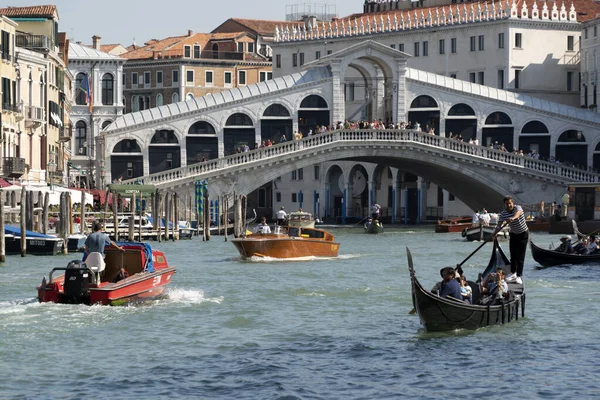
(33, 41)
(16, 108)
(567, 174)
(13, 167)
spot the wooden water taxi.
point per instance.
(453, 224)
(300, 219)
(288, 242)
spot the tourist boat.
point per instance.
(96, 281)
(373, 227)
(300, 219)
(37, 244)
(443, 314)
(552, 258)
(484, 233)
(288, 242)
(453, 224)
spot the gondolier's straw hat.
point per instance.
(568, 237)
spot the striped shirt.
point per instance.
(518, 225)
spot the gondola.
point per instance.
(445, 314)
(580, 235)
(373, 227)
(552, 258)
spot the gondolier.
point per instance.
(519, 237)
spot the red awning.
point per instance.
(4, 183)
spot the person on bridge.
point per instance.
(519, 237)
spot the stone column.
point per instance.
(400, 110)
(370, 186)
(379, 100)
(422, 187)
(146, 160)
(349, 201)
(339, 106)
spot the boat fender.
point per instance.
(464, 232)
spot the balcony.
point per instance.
(15, 108)
(34, 116)
(65, 133)
(34, 42)
(13, 167)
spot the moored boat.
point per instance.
(552, 258)
(443, 314)
(76, 242)
(36, 243)
(138, 273)
(453, 224)
(288, 242)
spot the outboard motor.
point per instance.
(76, 285)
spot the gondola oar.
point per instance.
(482, 244)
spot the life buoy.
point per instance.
(464, 232)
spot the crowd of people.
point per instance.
(586, 246)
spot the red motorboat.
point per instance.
(453, 224)
(136, 274)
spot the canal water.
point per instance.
(312, 329)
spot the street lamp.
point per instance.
(51, 169)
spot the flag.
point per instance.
(86, 87)
(91, 93)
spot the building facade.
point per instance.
(41, 144)
(93, 109)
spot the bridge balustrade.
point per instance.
(568, 174)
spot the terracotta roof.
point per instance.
(108, 47)
(173, 46)
(586, 9)
(48, 11)
(263, 27)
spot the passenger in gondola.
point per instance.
(465, 290)
(565, 245)
(581, 248)
(368, 223)
(493, 281)
(450, 287)
(592, 245)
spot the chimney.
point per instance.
(190, 32)
(96, 42)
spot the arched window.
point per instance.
(164, 136)
(135, 105)
(215, 50)
(498, 118)
(571, 136)
(533, 127)
(189, 97)
(313, 101)
(108, 90)
(239, 119)
(106, 123)
(424, 102)
(140, 103)
(276, 110)
(127, 146)
(159, 100)
(147, 103)
(175, 98)
(461, 110)
(80, 138)
(80, 92)
(201, 127)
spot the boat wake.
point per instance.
(256, 259)
(189, 296)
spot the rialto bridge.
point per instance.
(176, 144)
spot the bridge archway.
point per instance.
(164, 152)
(202, 142)
(461, 121)
(499, 128)
(596, 160)
(127, 160)
(535, 136)
(426, 111)
(276, 121)
(334, 191)
(313, 111)
(572, 148)
(239, 131)
(358, 190)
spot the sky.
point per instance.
(123, 21)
